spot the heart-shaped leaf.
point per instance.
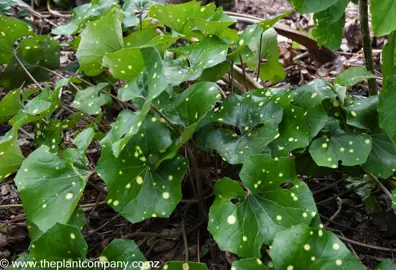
(194, 59)
(125, 251)
(12, 30)
(138, 191)
(147, 81)
(98, 39)
(179, 17)
(91, 99)
(382, 159)
(83, 139)
(350, 149)
(242, 221)
(362, 113)
(10, 105)
(248, 264)
(192, 105)
(50, 187)
(59, 243)
(301, 248)
(309, 97)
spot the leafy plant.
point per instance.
(154, 70)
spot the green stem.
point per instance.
(368, 53)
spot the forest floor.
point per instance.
(366, 227)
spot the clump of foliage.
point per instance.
(161, 66)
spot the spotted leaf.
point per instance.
(309, 97)
(83, 139)
(350, 149)
(125, 64)
(10, 105)
(120, 250)
(382, 159)
(192, 105)
(362, 112)
(34, 51)
(394, 199)
(91, 99)
(249, 264)
(148, 38)
(150, 81)
(59, 243)
(185, 265)
(301, 248)
(50, 187)
(352, 76)
(98, 39)
(179, 17)
(194, 59)
(11, 156)
(293, 130)
(242, 221)
(137, 191)
(126, 125)
(12, 30)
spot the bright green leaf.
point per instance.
(98, 39)
(383, 14)
(241, 222)
(302, 248)
(179, 17)
(386, 265)
(310, 6)
(125, 64)
(272, 71)
(12, 30)
(194, 58)
(91, 99)
(50, 187)
(352, 76)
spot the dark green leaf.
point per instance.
(387, 106)
(184, 265)
(98, 39)
(382, 159)
(120, 250)
(248, 264)
(309, 97)
(350, 149)
(11, 156)
(83, 139)
(138, 191)
(241, 222)
(302, 248)
(91, 99)
(329, 25)
(386, 265)
(352, 76)
(60, 242)
(10, 105)
(11, 30)
(50, 187)
(363, 112)
(388, 57)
